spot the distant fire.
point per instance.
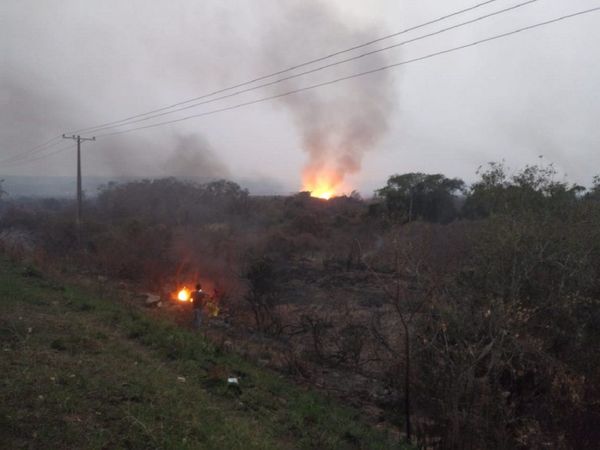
(183, 295)
(322, 184)
(323, 193)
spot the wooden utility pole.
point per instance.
(79, 139)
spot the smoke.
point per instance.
(40, 108)
(193, 157)
(338, 123)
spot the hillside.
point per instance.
(84, 370)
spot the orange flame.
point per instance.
(322, 184)
(183, 295)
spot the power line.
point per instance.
(360, 74)
(128, 121)
(280, 72)
(27, 161)
(27, 153)
(55, 140)
(429, 56)
(37, 149)
(317, 69)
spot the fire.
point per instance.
(210, 303)
(183, 295)
(323, 194)
(322, 184)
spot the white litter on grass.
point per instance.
(181, 379)
(232, 380)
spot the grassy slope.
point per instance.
(79, 371)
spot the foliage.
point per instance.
(81, 371)
(532, 189)
(594, 193)
(261, 294)
(417, 195)
(172, 201)
(497, 314)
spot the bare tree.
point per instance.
(405, 300)
(261, 295)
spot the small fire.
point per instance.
(183, 295)
(210, 303)
(323, 184)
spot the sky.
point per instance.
(69, 65)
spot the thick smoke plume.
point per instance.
(338, 123)
(193, 157)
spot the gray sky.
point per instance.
(71, 64)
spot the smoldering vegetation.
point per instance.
(468, 316)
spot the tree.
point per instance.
(404, 303)
(422, 196)
(224, 189)
(260, 295)
(534, 189)
(169, 200)
(594, 193)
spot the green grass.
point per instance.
(79, 371)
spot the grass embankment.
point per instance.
(81, 371)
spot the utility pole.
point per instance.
(79, 139)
